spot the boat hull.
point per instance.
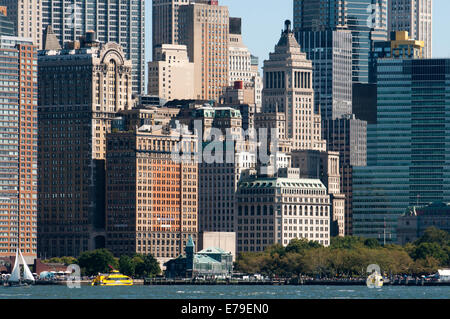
(113, 279)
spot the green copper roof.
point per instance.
(190, 242)
(220, 112)
(202, 259)
(284, 183)
(213, 250)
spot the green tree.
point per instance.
(427, 249)
(127, 265)
(146, 266)
(425, 266)
(372, 243)
(347, 242)
(434, 235)
(97, 261)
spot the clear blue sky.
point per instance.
(263, 20)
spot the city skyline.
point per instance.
(312, 132)
(273, 13)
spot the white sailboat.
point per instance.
(15, 279)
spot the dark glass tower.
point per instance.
(366, 19)
(408, 148)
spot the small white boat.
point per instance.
(16, 278)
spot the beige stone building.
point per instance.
(80, 92)
(27, 18)
(288, 89)
(170, 74)
(240, 67)
(204, 29)
(223, 240)
(276, 209)
(165, 21)
(325, 166)
(151, 197)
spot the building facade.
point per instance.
(18, 147)
(416, 220)
(408, 161)
(122, 22)
(274, 210)
(325, 166)
(415, 17)
(80, 92)
(348, 136)
(400, 46)
(165, 20)
(27, 18)
(170, 74)
(151, 197)
(204, 29)
(6, 25)
(240, 64)
(225, 158)
(365, 19)
(288, 89)
(331, 55)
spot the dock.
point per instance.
(268, 282)
(288, 282)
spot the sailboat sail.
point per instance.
(26, 271)
(15, 274)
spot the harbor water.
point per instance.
(225, 292)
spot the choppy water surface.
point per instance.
(225, 292)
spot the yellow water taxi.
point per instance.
(113, 279)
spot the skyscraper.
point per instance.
(331, 55)
(414, 16)
(240, 67)
(80, 92)
(408, 155)
(288, 90)
(18, 146)
(165, 20)
(348, 136)
(366, 19)
(117, 21)
(151, 199)
(204, 29)
(27, 18)
(399, 45)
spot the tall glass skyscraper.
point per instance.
(366, 19)
(408, 148)
(120, 21)
(331, 55)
